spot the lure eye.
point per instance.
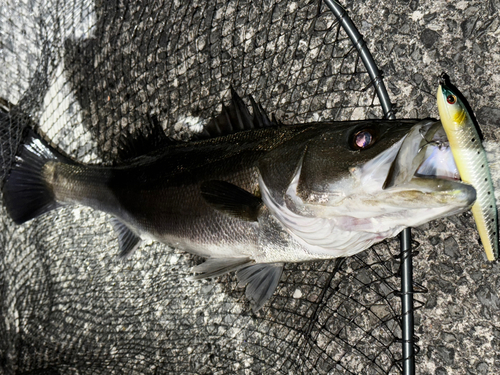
(363, 139)
(451, 99)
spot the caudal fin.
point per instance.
(26, 194)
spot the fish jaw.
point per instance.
(407, 185)
(472, 164)
(360, 223)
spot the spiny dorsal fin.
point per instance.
(236, 117)
(151, 137)
(231, 199)
(240, 114)
(5, 105)
(260, 119)
(275, 121)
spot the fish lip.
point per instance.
(463, 193)
(471, 193)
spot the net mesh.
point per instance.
(84, 72)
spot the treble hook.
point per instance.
(435, 143)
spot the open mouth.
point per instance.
(424, 153)
(438, 158)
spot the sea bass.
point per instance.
(472, 164)
(250, 193)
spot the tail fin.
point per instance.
(26, 194)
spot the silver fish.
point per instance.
(252, 195)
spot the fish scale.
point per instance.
(472, 165)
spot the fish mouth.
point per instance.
(425, 163)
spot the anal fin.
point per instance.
(127, 239)
(261, 280)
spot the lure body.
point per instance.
(472, 165)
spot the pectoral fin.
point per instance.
(128, 240)
(231, 199)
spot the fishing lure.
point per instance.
(472, 165)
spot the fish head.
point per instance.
(342, 159)
(378, 163)
(367, 181)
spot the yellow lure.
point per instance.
(472, 165)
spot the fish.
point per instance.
(249, 193)
(471, 160)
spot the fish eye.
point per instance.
(363, 139)
(451, 99)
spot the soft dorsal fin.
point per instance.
(150, 138)
(231, 199)
(236, 117)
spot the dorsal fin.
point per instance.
(236, 117)
(150, 138)
(5, 105)
(260, 119)
(232, 119)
